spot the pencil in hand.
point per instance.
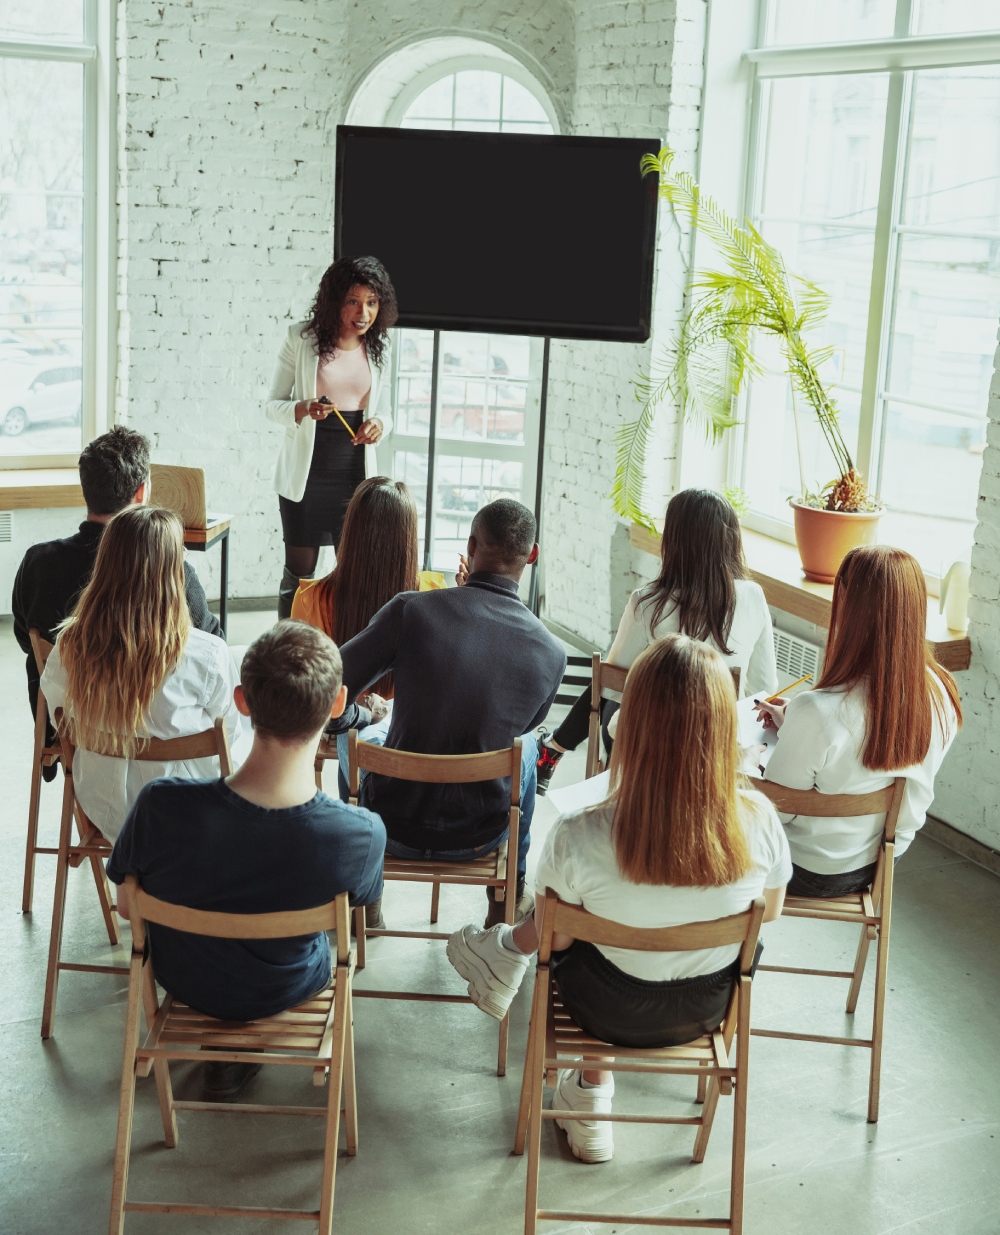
(336, 412)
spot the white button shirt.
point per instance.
(191, 699)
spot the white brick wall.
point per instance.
(226, 223)
(967, 793)
(639, 72)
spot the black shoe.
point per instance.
(548, 760)
(49, 772)
(373, 918)
(226, 1080)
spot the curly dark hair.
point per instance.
(324, 316)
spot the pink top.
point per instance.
(345, 379)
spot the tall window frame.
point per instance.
(898, 57)
(95, 53)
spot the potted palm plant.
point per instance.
(713, 358)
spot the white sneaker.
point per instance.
(590, 1141)
(526, 905)
(492, 971)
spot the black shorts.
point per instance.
(810, 883)
(616, 1007)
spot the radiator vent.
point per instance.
(6, 526)
(795, 657)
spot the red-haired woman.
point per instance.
(681, 838)
(882, 708)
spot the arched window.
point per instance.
(477, 99)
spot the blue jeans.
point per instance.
(529, 779)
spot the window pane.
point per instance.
(413, 381)
(832, 21)
(930, 481)
(824, 148)
(47, 19)
(435, 101)
(953, 16)
(420, 123)
(953, 165)
(41, 256)
(477, 95)
(461, 486)
(520, 104)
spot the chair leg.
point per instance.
(707, 1119)
(104, 896)
(535, 1105)
(881, 975)
(502, 1048)
(740, 1110)
(34, 803)
(350, 1082)
(333, 1099)
(435, 900)
(126, 1100)
(860, 961)
(58, 912)
(702, 1084)
(165, 1093)
(532, 1064)
(359, 930)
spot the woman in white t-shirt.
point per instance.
(882, 708)
(128, 665)
(681, 838)
(703, 590)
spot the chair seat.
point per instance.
(301, 1028)
(839, 904)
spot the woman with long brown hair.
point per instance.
(681, 838)
(703, 590)
(128, 666)
(882, 708)
(331, 394)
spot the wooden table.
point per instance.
(200, 540)
(775, 565)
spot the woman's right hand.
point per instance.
(375, 704)
(771, 715)
(312, 408)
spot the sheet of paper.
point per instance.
(750, 732)
(583, 793)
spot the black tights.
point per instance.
(301, 560)
(575, 727)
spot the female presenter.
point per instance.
(341, 353)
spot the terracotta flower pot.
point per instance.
(825, 537)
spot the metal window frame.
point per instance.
(96, 54)
(900, 56)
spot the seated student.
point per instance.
(473, 669)
(128, 664)
(882, 708)
(681, 838)
(703, 590)
(114, 473)
(263, 840)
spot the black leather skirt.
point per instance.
(337, 468)
(616, 1007)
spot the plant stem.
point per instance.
(798, 438)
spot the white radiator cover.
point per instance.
(796, 657)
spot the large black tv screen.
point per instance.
(505, 232)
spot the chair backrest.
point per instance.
(287, 924)
(838, 805)
(612, 677)
(41, 647)
(204, 745)
(434, 769)
(736, 672)
(574, 920)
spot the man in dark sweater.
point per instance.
(114, 473)
(473, 670)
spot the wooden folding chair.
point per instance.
(556, 1041)
(496, 870)
(44, 756)
(93, 845)
(870, 909)
(610, 677)
(317, 1034)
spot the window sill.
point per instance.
(40, 488)
(776, 567)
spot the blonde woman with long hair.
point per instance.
(681, 838)
(128, 666)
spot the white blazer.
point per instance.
(295, 379)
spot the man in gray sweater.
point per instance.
(473, 670)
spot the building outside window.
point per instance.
(882, 184)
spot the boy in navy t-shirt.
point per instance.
(263, 840)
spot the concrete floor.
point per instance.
(434, 1160)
